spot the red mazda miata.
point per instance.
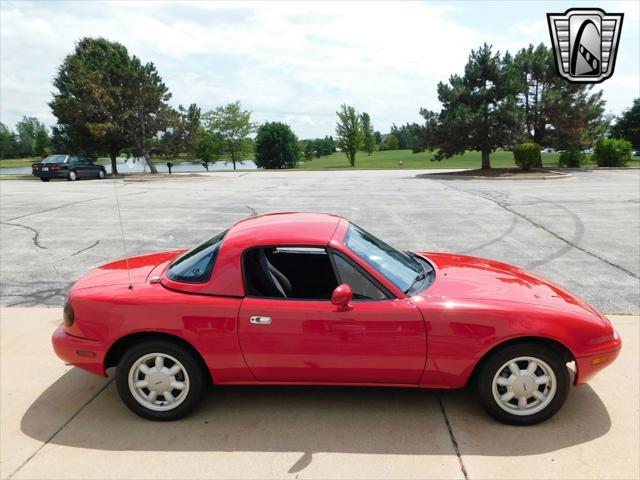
(305, 298)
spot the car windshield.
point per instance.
(55, 159)
(397, 266)
(196, 265)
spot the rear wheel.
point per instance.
(73, 176)
(159, 380)
(523, 384)
(45, 179)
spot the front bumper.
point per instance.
(588, 365)
(80, 352)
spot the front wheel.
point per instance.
(101, 174)
(44, 179)
(159, 380)
(523, 384)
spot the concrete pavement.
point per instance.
(60, 422)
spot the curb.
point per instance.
(555, 176)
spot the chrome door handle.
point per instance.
(260, 320)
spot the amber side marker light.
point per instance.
(86, 353)
(599, 360)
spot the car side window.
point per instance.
(363, 288)
(289, 272)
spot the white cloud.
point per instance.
(293, 62)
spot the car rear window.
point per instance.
(196, 266)
(55, 159)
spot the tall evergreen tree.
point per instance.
(91, 102)
(369, 143)
(628, 125)
(479, 109)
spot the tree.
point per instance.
(309, 150)
(378, 137)
(391, 142)
(235, 127)
(93, 101)
(183, 132)
(8, 143)
(349, 132)
(555, 112)
(43, 143)
(210, 147)
(628, 125)
(28, 130)
(276, 146)
(369, 142)
(479, 109)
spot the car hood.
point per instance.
(134, 270)
(473, 278)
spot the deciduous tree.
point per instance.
(349, 132)
(235, 127)
(276, 146)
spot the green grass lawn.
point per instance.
(383, 160)
(391, 159)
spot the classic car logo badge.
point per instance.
(585, 41)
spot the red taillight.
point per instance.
(56, 167)
(67, 315)
(35, 167)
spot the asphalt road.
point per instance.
(583, 233)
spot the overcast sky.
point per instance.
(294, 61)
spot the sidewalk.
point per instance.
(60, 422)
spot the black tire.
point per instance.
(195, 380)
(493, 365)
(72, 176)
(45, 179)
(102, 173)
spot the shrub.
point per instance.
(527, 155)
(612, 152)
(571, 158)
(276, 146)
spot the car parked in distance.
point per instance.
(308, 298)
(71, 167)
(548, 150)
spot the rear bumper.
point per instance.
(56, 174)
(80, 352)
(588, 365)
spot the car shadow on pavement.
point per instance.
(310, 420)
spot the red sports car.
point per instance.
(305, 298)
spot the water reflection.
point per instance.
(135, 165)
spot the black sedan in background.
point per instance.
(71, 167)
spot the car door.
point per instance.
(377, 340)
(75, 163)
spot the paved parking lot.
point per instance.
(583, 233)
(60, 422)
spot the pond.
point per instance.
(131, 165)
